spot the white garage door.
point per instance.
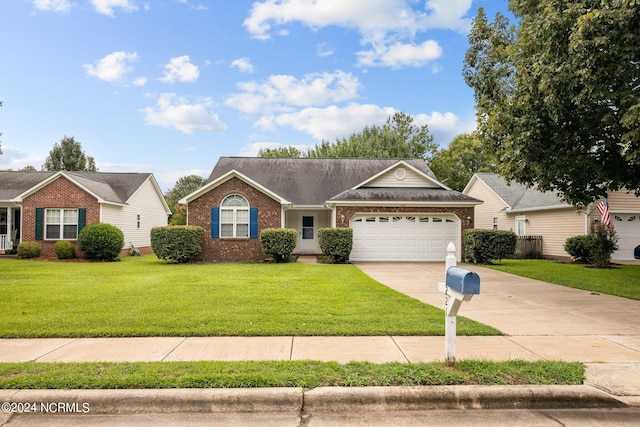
(406, 237)
(627, 228)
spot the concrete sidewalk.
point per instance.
(541, 322)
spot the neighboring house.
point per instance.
(527, 211)
(49, 206)
(398, 210)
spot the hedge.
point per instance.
(28, 250)
(178, 243)
(101, 241)
(278, 243)
(336, 243)
(64, 249)
(487, 246)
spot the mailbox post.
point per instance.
(459, 285)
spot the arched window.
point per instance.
(234, 216)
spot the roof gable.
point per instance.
(106, 187)
(517, 196)
(309, 181)
(401, 175)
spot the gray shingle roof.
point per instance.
(436, 195)
(518, 196)
(111, 187)
(312, 182)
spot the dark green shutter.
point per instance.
(39, 223)
(82, 219)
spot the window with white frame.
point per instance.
(495, 222)
(61, 224)
(234, 216)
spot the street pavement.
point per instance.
(540, 321)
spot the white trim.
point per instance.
(414, 204)
(226, 177)
(406, 165)
(476, 177)
(540, 208)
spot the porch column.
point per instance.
(9, 227)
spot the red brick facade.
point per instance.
(232, 249)
(60, 193)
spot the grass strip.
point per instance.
(621, 280)
(142, 296)
(305, 374)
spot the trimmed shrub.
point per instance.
(576, 246)
(336, 243)
(29, 250)
(64, 249)
(487, 246)
(101, 242)
(278, 243)
(179, 243)
(602, 243)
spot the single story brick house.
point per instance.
(49, 206)
(397, 209)
(527, 211)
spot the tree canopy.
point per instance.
(67, 155)
(184, 186)
(558, 95)
(467, 154)
(398, 138)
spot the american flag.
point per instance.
(603, 207)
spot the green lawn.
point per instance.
(142, 296)
(622, 280)
(306, 374)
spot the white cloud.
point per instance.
(106, 7)
(52, 5)
(330, 122)
(180, 69)
(112, 67)
(389, 26)
(280, 92)
(398, 54)
(15, 159)
(438, 121)
(188, 117)
(140, 81)
(324, 49)
(243, 64)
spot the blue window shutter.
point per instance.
(253, 223)
(215, 223)
(39, 223)
(82, 219)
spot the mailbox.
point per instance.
(463, 281)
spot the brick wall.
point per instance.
(60, 193)
(345, 213)
(228, 249)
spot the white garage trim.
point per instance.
(386, 236)
(627, 227)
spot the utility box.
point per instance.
(463, 281)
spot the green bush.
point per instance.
(278, 243)
(487, 246)
(179, 243)
(101, 241)
(576, 246)
(64, 249)
(336, 243)
(602, 243)
(29, 250)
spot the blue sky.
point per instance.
(169, 86)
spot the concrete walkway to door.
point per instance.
(541, 321)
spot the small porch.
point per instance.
(307, 222)
(9, 228)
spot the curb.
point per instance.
(296, 400)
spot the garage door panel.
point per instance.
(406, 237)
(627, 227)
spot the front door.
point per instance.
(307, 233)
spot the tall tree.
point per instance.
(67, 155)
(467, 154)
(558, 96)
(287, 152)
(184, 186)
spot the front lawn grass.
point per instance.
(621, 280)
(142, 296)
(305, 374)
